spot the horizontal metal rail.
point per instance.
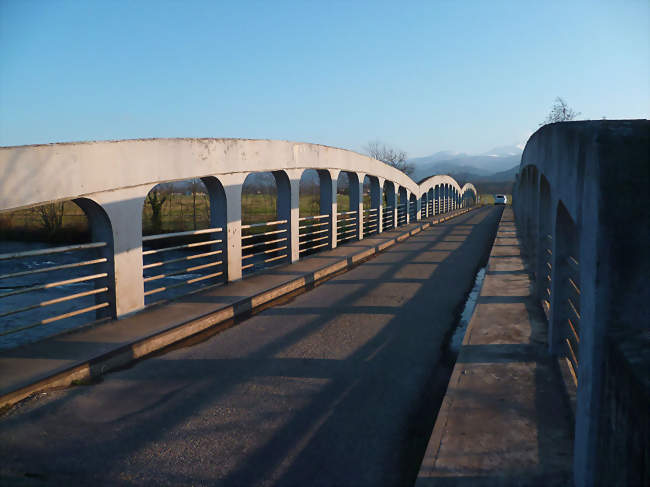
(263, 224)
(149, 238)
(182, 271)
(273, 232)
(264, 242)
(314, 225)
(184, 283)
(181, 259)
(315, 217)
(317, 232)
(263, 252)
(312, 240)
(313, 248)
(54, 284)
(54, 268)
(50, 302)
(52, 250)
(179, 247)
(55, 318)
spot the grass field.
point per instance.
(488, 199)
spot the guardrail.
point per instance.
(264, 243)
(387, 218)
(370, 221)
(346, 226)
(401, 215)
(181, 261)
(45, 295)
(314, 233)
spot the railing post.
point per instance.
(408, 207)
(123, 208)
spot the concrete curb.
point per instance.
(124, 354)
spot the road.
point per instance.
(334, 387)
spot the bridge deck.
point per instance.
(505, 419)
(61, 359)
(333, 387)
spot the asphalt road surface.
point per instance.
(331, 388)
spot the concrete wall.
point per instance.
(586, 184)
(115, 177)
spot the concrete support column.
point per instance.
(232, 187)
(333, 209)
(123, 207)
(358, 197)
(408, 207)
(289, 209)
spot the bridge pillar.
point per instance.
(123, 208)
(232, 186)
(356, 202)
(333, 208)
(408, 206)
(289, 209)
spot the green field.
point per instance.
(488, 199)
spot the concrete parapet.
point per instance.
(581, 201)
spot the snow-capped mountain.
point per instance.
(499, 159)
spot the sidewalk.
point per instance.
(60, 360)
(505, 419)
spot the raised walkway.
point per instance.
(82, 354)
(505, 419)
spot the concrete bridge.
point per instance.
(110, 181)
(343, 384)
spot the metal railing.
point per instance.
(413, 211)
(346, 226)
(571, 315)
(35, 290)
(370, 221)
(178, 263)
(387, 218)
(546, 277)
(313, 233)
(401, 214)
(264, 243)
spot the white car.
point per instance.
(500, 199)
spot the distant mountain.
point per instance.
(508, 175)
(496, 161)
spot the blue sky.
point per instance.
(421, 76)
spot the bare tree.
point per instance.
(392, 157)
(561, 112)
(196, 186)
(51, 216)
(156, 200)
